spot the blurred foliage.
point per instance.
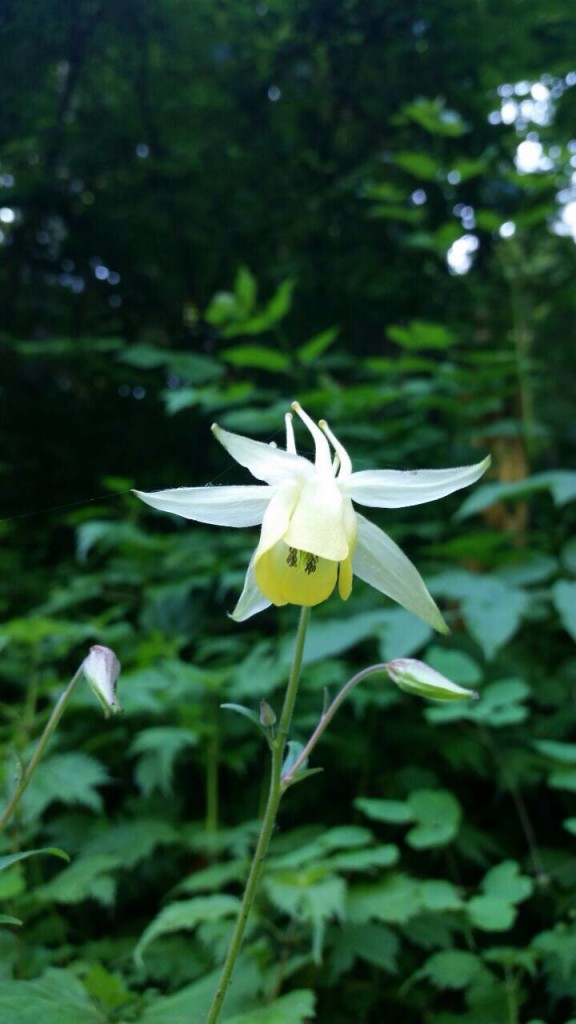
(207, 210)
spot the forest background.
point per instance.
(207, 210)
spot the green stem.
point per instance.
(275, 792)
(326, 718)
(49, 728)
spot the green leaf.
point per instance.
(317, 345)
(565, 753)
(257, 357)
(87, 878)
(5, 919)
(133, 841)
(560, 483)
(422, 334)
(433, 116)
(157, 749)
(374, 943)
(252, 716)
(493, 613)
(564, 597)
(421, 165)
(437, 814)
(245, 290)
(69, 778)
(192, 1003)
(295, 1008)
(396, 812)
(311, 896)
(452, 969)
(394, 899)
(439, 896)
(505, 882)
(186, 916)
(58, 997)
(491, 913)
(502, 703)
(13, 858)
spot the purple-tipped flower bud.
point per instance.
(102, 668)
(418, 678)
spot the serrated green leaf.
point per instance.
(92, 877)
(69, 778)
(186, 916)
(157, 749)
(58, 997)
(295, 1008)
(394, 900)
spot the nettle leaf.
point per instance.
(310, 895)
(564, 597)
(558, 948)
(186, 916)
(295, 1008)
(437, 814)
(393, 899)
(452, 969)
(70, 778)
(374, 943)
(192, 1003)
(133, 841)
(157, 749)
(87, 878)
(58, 997)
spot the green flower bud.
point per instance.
(416, 677)
(267, 715)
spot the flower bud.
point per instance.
(416, 677)
(267, 715)
(102, 668)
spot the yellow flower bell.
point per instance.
(311, 537)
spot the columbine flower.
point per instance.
(312, 538)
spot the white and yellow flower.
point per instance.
(312, 538)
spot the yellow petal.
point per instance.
(287, 576)
(322, 522)
(345, 578)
